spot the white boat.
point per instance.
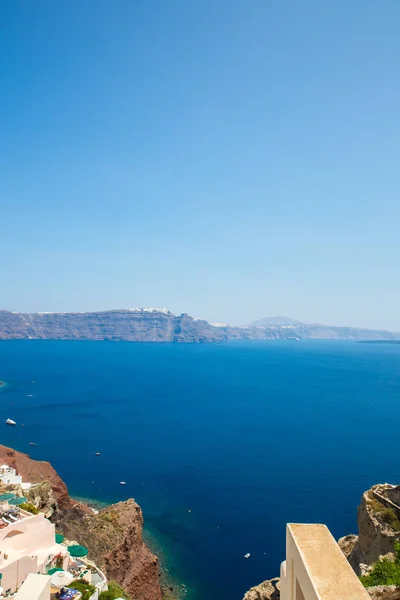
(247, 555)
(122, 482)
(10, 422)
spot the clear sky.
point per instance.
(230, 159)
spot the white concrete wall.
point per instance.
(15, 573)
(11, 479)
(296, 583)
(315, 567)
(36, 587)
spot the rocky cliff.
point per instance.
(378, 527)
(135, 325)
(267, 590)
(160, 325)
(114, 536)
(300, 330)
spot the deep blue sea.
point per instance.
(246, 436)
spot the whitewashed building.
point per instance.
(27, 545)
(9, 476)
(35, 587)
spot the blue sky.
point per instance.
(231, 160)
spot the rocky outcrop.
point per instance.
(384, 592)
(378, 526)
(350, 547)
(348, 543)
(267, 590)
(114, 536)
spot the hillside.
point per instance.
(160, 325)
(134, 325)
(113, 536)
(297, 329)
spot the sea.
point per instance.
(220, 444)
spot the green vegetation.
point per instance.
(29, 507)
(86, 589)
(110, 517)
(385, 571)
(387, 515)
(114, 591)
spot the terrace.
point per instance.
(10, 514)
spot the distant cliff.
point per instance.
(136, 325)
(160, 325)
(297, 329)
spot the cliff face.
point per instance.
(136, 325)
(378, 527)
(160, 325)
(114, 536)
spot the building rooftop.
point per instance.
(331, 574)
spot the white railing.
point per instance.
(101, 585)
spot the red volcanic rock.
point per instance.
(114, 536)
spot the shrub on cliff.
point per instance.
(114, 591)
(29, 507)
(384, 513)
(385, 571)
(86, 589)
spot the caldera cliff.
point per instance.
(113, 537)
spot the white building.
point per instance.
(27, 545)
(8, 476)
(35, 587)
(315, 567)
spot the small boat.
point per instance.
(32, 443)
(247, 555)
(10, 422)
(97, 453)
(30, 395)
(122, 482)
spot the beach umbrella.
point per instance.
(17, 501)
(59, 538)
(7, 496)
(54, 570)
(61, 578)
(77, 550)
